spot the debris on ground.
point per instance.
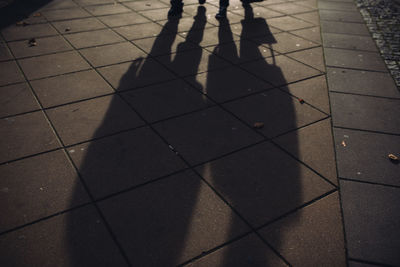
(344, 143)
(67, 29)
(258, 125)
(37, 14)
(22, 23)
(393, 158)
(32, 42)
(301, 100)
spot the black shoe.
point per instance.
(175, 10)
(221, 13)
(201, 2)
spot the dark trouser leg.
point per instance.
(176, 8)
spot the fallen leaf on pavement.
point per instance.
(258, 125)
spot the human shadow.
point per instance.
(148, 210)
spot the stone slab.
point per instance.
(15, 99)
(265, 185)
(94, 118)
(93, 38)
(123, 19)
(74, 238)
(119, 162)
(14, 33)
(171, 221)
(78, 25)
(341, 16)
(346, 41)
(313, 230)
(365, 113)
(344, 28)
(70, 87)
(10, 73)
(354, 59)
(206, 134)
(371, 219)
(15, 141)
(64, 14)
(362, 82)
(51, 65)
(38, 187)
(165, 100)
(99, 10)
(364, 156)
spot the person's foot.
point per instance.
(175, 10)
(221, 13)
(201, 2)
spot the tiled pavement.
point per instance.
(128, 139)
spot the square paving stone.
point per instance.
(13, 33)
(78, 25)
(248, 251)
(15, 99)
(359, 264)
(112, 54)
(170, 221)
(228, 83)
(59, 4)
(165, 100)
(206, 134)
(139, 31)
(146, 5)
(290, 8)
(46, 45)
(313, 230)
(164, 44)
(362, 82)
(280, 70)
(10, 73)
(70, 87)
(4, 51)
(258, 12)
(25, 135)
(286, 42)
(313, 57)
(38, 187)
(93, 38)
(185, 24)
(364, 156)
(94, 2)
(366, 113)
(101, 10)
(335, 40)
(309, 3)
(332, 5)
(116, 163)
(192, 62)
(313, 145)
(123, 19)
(371, 219)
(51, 65)
(211, 36)
(288, 23)
(252, 28)
(312, 17)
(156, 14)
(313, 91)
(77, 238)
(344, 28)
(92, 119)
(265, 185)
(342, 16)
(242, 51)
(64, 14)
(313, 34)
(278, 111)
(139, 73)
(354, 59)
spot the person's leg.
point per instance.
(176, 8)
(223, 6)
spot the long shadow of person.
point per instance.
(261, 183)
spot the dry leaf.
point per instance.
(32, 42)
(37, 15)
(258, 125)
(67, 29)
(393, 157)
(22, 23)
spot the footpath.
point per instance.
(271, 138)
